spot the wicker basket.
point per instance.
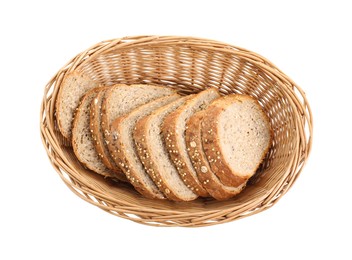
(189, 65)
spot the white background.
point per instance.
(42, 219)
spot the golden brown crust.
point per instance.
(96, 114)
(118, 154)
(211, 141)
(141, 142)
(212, 149)
(94, 92)
(172, 143)
(200, 162)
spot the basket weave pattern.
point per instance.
(188, 65)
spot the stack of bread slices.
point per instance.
(166, 145)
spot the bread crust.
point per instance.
(96, 113)
(200, 163)
(211, 140)
(144, 151)
(168, 129)
(89, 95)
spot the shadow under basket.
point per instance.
(188, 65)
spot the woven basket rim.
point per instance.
(171, 215)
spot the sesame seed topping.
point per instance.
(203, 169)
(167, 191)
(193, 144)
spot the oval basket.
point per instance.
(188, 65)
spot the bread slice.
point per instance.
(236, 135)
(209, 180)
(98, 136)
(154, 154)
(126, 153)
(173, 130)
(120, 100)
(72, 89)
(82, 141)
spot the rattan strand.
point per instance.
(188, 65)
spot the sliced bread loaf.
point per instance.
(122, 99)
(200, 162)
(98, 136)
(236, 135)
(154, 154)
(73, 88)
(126, 152)
(82, 141)
(173, 130)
